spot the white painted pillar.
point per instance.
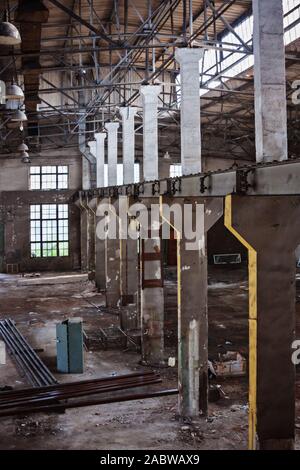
(100, 152)
(269, 81)
(100, 273)
(112, 151)
(129, 253)
(152, 293)
(112, 246)
(190, 121)
(150, 132)
(128, 142)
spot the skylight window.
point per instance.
(231, 64)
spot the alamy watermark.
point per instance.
(296, 353)
(2, 92)
(123, 221)
(296, 93)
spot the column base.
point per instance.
(277, 444)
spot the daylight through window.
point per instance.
(49, 177)
(49, 230)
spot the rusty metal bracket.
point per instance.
(242, 181)
(138, 189)
(101, 192)
(203, 188)
(155, 188)
(129, 191)
(176, 185)
(173, 186)
(113, 191)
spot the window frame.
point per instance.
(57, 240)
(173, 167)
(41, 174)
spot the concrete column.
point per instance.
(86, 173)
(92, 234)
(269, 227)
(92, 146)
(152, 293)
(190, 123)
(112, 151)
(89, 218)
(192, 305)
(112, 262)
(129, 271)
(269, 81)
(100, 277)
(150, 134)
(100, 152)
(129, 256)
(112, 246)
(85, 233)
(100, 267)
(128, 142)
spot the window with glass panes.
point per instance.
(49, 177)
(175, 170)
(49, 230)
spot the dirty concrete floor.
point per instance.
(142, 424)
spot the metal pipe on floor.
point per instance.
(76, 393)
(81, 404)
(26, 358)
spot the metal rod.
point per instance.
(68, 385)
(76, 393)
(80, 404)
(35, 360)
(39, 373)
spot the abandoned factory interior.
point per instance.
(150, 225)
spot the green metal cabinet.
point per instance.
(69, 346)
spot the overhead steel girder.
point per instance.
(264, 179)
(84, 22)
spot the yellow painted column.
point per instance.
(252, 270)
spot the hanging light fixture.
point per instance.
(14, 92)
(23, 147)
(12, 105)
(25, 157)
(9, 34)
(18, 116)
(16, 120)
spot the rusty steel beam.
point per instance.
(84, 23)
(84, 403)
(275, 178)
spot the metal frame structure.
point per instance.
(260, 179)
(135, 55)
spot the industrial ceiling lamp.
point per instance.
(25, 157)
(23, 147)
(12, 105)
(9, 34)
(16, 120)
(14, 92)
(18, 116)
